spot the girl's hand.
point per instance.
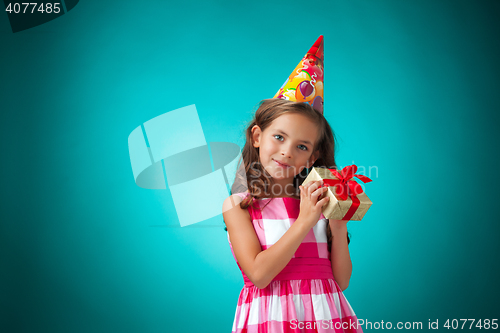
(311, 204)
(337, 225)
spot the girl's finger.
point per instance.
(306, 187)
(323, 201)
(316, 194)
(320, 191)
(314, 186)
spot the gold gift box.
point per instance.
(337, 208)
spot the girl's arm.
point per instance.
(340, 257)
(262, 266)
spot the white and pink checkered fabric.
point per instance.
(304, 296)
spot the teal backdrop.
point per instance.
(411, 91)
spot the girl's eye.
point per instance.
(280, 138)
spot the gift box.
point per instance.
(347, 199)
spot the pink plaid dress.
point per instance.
(304, 296)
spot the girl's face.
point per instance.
(286, 146)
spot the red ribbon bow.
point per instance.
(345, 186)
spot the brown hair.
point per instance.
(254, 177)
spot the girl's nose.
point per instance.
(286, 152)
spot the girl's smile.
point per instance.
(283, 165)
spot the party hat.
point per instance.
(305, 84)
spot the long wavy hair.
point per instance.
(251, 174)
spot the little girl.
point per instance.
(295, 262)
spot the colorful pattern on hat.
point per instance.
(305, 84)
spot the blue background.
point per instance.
(411, 90)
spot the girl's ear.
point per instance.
(312, 159)
(256, 136)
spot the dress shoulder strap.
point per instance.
(242, 195)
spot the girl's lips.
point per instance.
(281, 164)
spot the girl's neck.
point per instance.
(287, 191)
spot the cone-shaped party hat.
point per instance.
(305, 84)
